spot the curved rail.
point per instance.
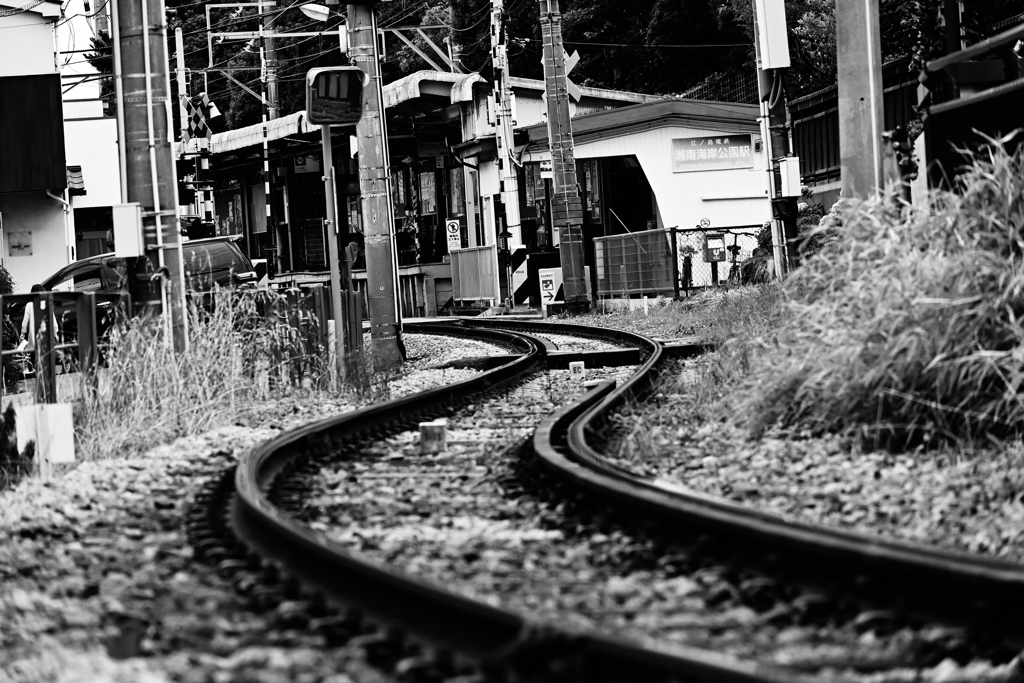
(947, 585)
(493, 638)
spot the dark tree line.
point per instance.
(649, 46)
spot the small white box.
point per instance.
(789, 169)
(577, 370)
(128, 230)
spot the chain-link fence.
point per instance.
(697, 251)
(671, 262)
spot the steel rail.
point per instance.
(947, 585)
(496, 639)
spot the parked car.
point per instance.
(208, 263)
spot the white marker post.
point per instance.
(433, 437)
(577, 370)
(51, 427)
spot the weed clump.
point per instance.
(907, 328)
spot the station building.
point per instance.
(644, 164)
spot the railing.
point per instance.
(67, 329)
(475, 274)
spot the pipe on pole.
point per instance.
(149, 158)
(332, 252)
(375, 196)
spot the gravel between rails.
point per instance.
(97, 581)
(566, 342)
(464, 520)
(940, 497)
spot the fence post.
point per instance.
(675, 263)
(3, 323)
(46, 366)
(87, 342)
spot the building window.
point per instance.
(355, 219)
(428, 194)
(458, 192)
(398, 195)
(593, 190)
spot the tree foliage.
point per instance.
(649, 46)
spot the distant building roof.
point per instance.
(724, 116)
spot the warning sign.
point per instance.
(454, 231)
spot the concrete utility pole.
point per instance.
(503, 125)
(861, 113)
(566, 206)
(375, 191)
(149, 157)
(269, 111)
(771, 48)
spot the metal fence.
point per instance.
(695, 272)
(475, 274)
(65, 330)
(638, 263)
(669, 262)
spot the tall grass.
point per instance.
(908, 328)
(241, 349)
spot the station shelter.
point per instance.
(443, 169)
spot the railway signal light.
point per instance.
(334, 95)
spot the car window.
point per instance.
(212, 263)
(115, 270)
(88, 279)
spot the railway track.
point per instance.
(261, 537)
(247, 528)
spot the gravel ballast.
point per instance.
(947, 498)
(98, 581)
(466, 520)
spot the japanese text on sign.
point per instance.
(712, 153)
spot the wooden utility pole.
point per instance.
(503, 126)
(566, 206)
(861, 112)
(375, 195)
(158, 283)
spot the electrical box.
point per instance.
(771, 33)
(789, 171)
(128, 230)
(714, 247)
(334, 95)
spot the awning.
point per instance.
(250, 136)
(76, 184)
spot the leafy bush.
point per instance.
(907, 328)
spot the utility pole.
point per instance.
(771, 47)
(566, 206)
(269, 111)
(515, 254)
(861, 112)
(149, 159)
(375, 195)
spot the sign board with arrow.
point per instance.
(550, 286)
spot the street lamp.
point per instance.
(316, 12)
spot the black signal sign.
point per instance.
(334, 95)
